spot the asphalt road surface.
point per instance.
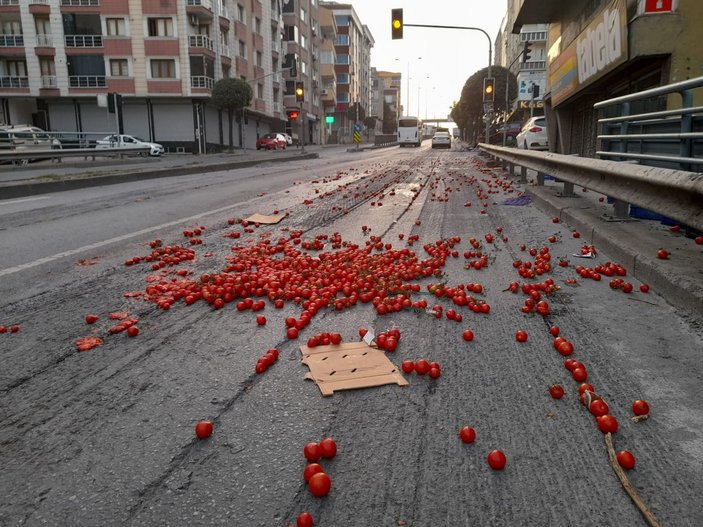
(106, 436)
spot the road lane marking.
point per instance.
(97, 245)
(11, 201)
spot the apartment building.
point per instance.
(59, 60)
(385, 99)
(352, 67)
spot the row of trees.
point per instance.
(469, 113)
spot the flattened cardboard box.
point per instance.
(265, 220)
(349, 366)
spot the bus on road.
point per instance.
(409, 131)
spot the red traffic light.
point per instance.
(293, 116)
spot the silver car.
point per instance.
(441, 140)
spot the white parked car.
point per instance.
(533, 135)
(289, 139)
(129, 141)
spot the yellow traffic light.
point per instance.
(299, 92)
(396, 24)
(488, 89)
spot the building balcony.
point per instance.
(81, 3)
(534, 65)
(201, 81)
(199, 8)
(86, 81)
(201, 41)
(14, 82)
(9, 2)
(48, 82)
(11, 41)
(45, 41)
(275, 47)
(84, 41)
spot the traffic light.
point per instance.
(396, 24)
(489, 88)
(526, 51)
(293, 115)
(299, 92)
(535, 91)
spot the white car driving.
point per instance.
(129, 141)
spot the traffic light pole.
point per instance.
(302, 129)
(490, 53)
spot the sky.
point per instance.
(449, 56)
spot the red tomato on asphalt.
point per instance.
(598, 407)
(91, 319)
(14, 329)
(585, 387)
(468, 335)
(408, 366)
(304, 520)
(132, 331)
(320, 484)
(556, 391)
(644, 288)
(335, 338)
(496, 459)
(312, 452)
(626, 460)
(422, 367)
(640, 407)
(467, 434)
(435, 373)
(328, 448)
(579, 374)
(565, 348)
(554, 331)
(203, 429)
(521, 336)
(261, 320)
(607, 423)
(663, 254)
(699, 240)
(292, 333)
(310, 470)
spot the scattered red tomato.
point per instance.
(576, 234)
(422, 367)
(521, 336)
(579, 374)
(598, 407)
(583, 387)
(335, 338)
(640, 407)
(467, 434)
(663, 254)
(310, 470)
(320, 484)
(261, 320)
(312, 452)
(435, 373)
(292, 333)
(644, 288)
(304, 520)
(3, 329)
(408, 366)
(565, 348)
(468, 335)
(496, 459)
(626, 460)
(607, 424)
(91, 319)
(203, 429)
(132, 331)
(554, 331)
(556, 391)
(699, 240)
(328, 448)
(14, 328)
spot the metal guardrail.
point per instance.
(676, 194)
(20, 155)
(667, 138)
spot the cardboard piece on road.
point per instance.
(266, 220)
(349, 366)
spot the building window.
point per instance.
(303, 42)
(242, 48)
(304, 67)
(240, 14)
(341, 40)
(257, 26)
(42, 25)
(290, 33)
(259, 91)
(342, 78)
(259, 59)
(342, 97)
(160, 27)
(303, 14)
(342, 59)
(119, 68)
(163, 69)
(115, 27)
(47, 66)
(341, 20)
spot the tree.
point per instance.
(389, 119)
(232, 95)
(351, 112)
(370, 124)
(468, 112)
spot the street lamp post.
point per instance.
(407, 96)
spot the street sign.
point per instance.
(357, 137)
(658, 6)
(357, 127)
(329, 119)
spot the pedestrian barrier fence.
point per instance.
(21, 155)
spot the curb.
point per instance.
(32, 188)
(676, 288)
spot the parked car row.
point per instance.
(529, 136)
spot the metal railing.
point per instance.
(23, 155)
(81, 2)
(48, 81)
(201, 81)
(9, 2)
(12, 41)
(84, 41)
(667, 138)
(45, 41)
(675, 194)
(86, 81)
(533, 65)
(204, 3)
(200, 41)
(14, 82)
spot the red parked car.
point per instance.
(271, 142)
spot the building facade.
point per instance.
(59, 60)
(352, 68)
(600, 49)
(385, 99)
